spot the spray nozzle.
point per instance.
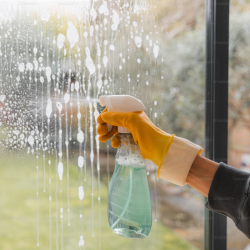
(123, 104)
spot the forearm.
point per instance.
(227, 189)
(201, 174)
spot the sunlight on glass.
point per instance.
(56, 59)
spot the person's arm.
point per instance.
(201, 174)
(227, 189)
(179, 162)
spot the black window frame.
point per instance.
(216, 108)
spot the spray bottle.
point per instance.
(129, 204)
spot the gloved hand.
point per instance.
(153, 142)
(173, 155)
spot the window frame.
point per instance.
(216, 109)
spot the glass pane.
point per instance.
(239, 94)
(56, 59)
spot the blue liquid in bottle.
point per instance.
(129, 204)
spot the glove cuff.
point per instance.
(178, 161)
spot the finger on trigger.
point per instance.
(106, 137)
(99, 118)
(115, 142)
(102, 129)
(115, 118)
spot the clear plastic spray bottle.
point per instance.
(129, 204)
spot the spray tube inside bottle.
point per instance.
(129, 204)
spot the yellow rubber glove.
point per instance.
(172, 154)
(152, 141)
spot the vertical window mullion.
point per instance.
(216, 121)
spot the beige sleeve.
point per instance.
(178, 161)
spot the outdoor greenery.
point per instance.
(18, 213)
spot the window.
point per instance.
(56, 59)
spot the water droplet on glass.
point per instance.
(93, 13)
(48, 73)
(31, 140)
(36, 64)
(72, 86)
(21, 67)
(115, 19)
(59, 106)
(103, 9)
(99, 83)
(80, 193)
(90, 65)
(41, 79)
(105, 61)
(16, 132)
(80, 161)
(156, 51)
(85, 34)
(60, 173)
(72, 34)
(29, 66)
(66, 98)
(77, 86)
(2, 98)
(87, 51)
(80, 136)
(91, 30)
(60, 41)
(45, 15)
(81, 241)
(138, 41)
(112, 47)
(49, 108)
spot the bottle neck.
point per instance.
(128, 152)
(123, 130)
(126, 139)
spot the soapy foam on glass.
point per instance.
(42, 75)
